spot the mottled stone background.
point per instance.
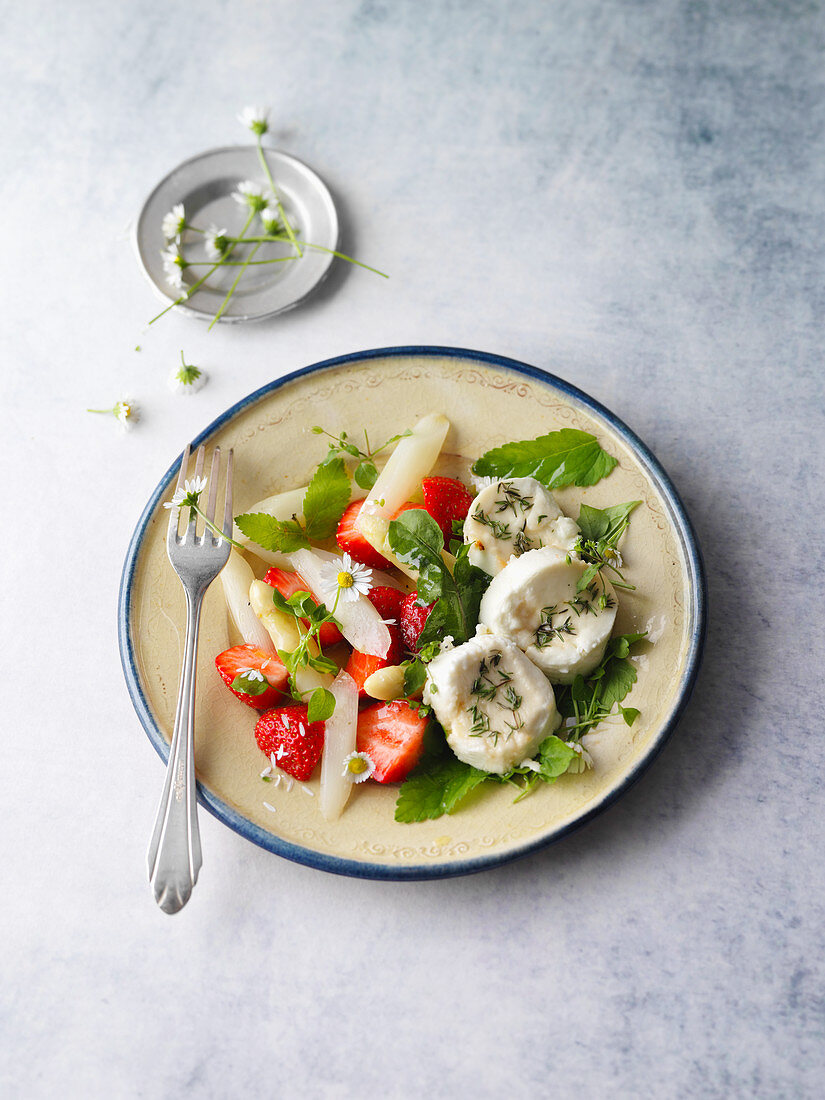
(629, 194)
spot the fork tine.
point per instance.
(214, 470)
(174, 513)
(193, 515)
(228, 518)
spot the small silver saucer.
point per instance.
(204, 184)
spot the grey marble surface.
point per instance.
(629, 194)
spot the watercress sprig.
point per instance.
(600, 531)
(366, 472)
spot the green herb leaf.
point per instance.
(416, 538)
(242, 682)
(366, 474)
(630, 714)
(321, 705)
(565, 457)
(282, 536)
(555, 757)
(605, 523)
(415, 676)
(327, 495)
(619, 677)
(436, 787)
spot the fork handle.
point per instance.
(174, 856)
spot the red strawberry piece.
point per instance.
(412, 616)
(392, 735)
(350, 539)
(242, 658)
(296, 743)
(387, 602)
(289, 583)
(446, 500)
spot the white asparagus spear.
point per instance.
(284, 633)
(413, 458)
(360, 622)
(236, 578)
(339, 741)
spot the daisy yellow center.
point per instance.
(357, 766)
(345, 580)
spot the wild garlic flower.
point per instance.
(250, 194)
(174, 222)
(255, 119)
(217, 243)
(358, 766)
(125, 412)
(345, 580)
(174, 266)
(187, 378)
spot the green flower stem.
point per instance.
(318, 248)
(192, 290)
(231, 290)
(216, 530)
(349, 259)
(284, 218)
(249, 263)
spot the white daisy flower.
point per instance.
(250, 194)
(125, 412)
(345, 580)
(188, 496)
(174, 222)
(173, 265)
(358, 766)
(271, 220)
(255, 119)
(187, 378)
(216, 242)
(613, 557)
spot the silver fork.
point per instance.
(174, 855)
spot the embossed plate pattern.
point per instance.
(489, 400)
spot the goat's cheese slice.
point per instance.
(495, 706)
(533, 602)
(511, 517)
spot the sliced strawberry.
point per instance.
(350, 539)
(289, 583)
(446, 500)
(387, 602)
(296, 743)
(392, 735)
(244, 658)
(412, 617)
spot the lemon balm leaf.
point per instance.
(327, 495)
(284, 536)
(564, 457)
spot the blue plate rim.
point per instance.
(356, 868)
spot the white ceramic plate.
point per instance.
(204, 185)
(489, 401)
